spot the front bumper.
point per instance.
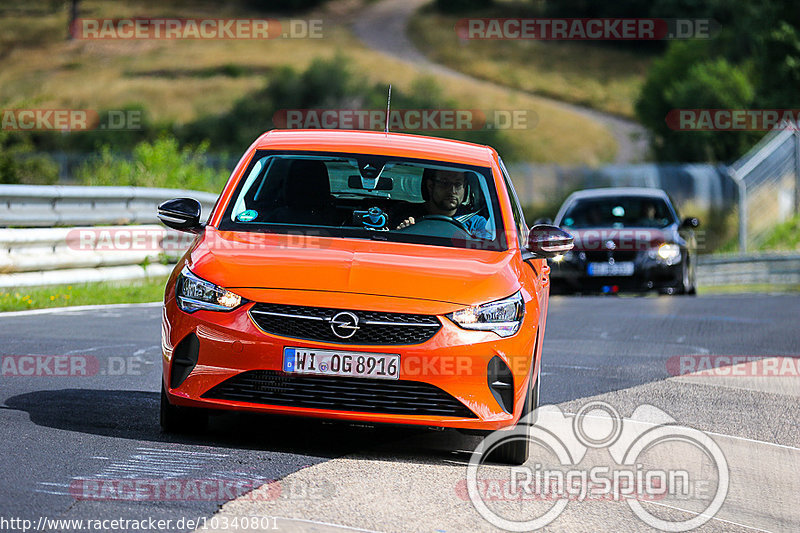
(231, 347)
(648, 275)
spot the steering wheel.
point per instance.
(444, 218)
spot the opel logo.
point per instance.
(344, 325)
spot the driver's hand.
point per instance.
(406, 223)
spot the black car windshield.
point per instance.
(367, 196)
(618, 212)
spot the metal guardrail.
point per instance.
(36, 250)
(55, 255)
(749, 269)
(57, 205)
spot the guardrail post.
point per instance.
(742, 209)
(797, 168)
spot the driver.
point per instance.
(443, 192)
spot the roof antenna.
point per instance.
(388, 108)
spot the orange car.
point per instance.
(359, 276)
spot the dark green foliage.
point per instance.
(754, 63)
(704, 84)
(120, 128)
(19, 163)
(325, 84)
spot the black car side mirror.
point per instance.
(182, 214)
(690, 223)
(545, 240)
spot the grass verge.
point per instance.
(150, 290)
(589, 74)
(740, 289)
(52, 73)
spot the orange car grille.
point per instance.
(365, 395)
(314, 323)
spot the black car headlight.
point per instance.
(564, 258)
(667, 253)
(194, 293)
(503, 317)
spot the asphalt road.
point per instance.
(64, 433)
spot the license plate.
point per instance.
(336, 363)
(611, 269)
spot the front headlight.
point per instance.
(667, 253)
(194, 293)
(503, 317)
(564, 258)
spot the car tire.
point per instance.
(687, 280)
(174, 419)
(515, 451)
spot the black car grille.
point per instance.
(314, 323)
(342, 394)
(604, 255)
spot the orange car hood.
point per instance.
(272, 261)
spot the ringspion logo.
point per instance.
(598, 455)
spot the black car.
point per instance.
(626, 239)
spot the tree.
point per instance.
(753, 63)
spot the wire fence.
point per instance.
(768, 179)
(702, 186)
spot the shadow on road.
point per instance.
(134, 415)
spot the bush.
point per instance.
(785, 236)
(325, 84)
(19, 164)
(161, 163)
(129, 135)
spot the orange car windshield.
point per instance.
(368, 196)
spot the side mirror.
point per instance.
(690, 223)
(545, 240)
(181, 214)
(540, 221)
